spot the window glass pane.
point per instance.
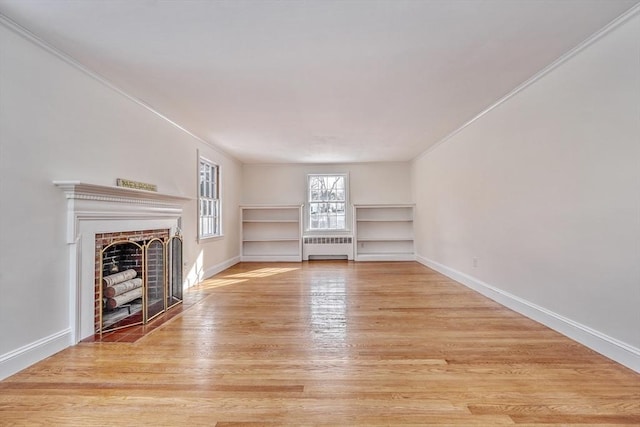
(202, 179)
(209, 203)
(327, 202)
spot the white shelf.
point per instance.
(271, 213)
(277, 221)
(384, 230)
(270, 258)
(383, 239)
(266, 231)
(384, 220)
(384, 213)
(386, 257)
(269, 240)
(271, 233)
(384, 233)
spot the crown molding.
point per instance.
(635, 10)
(22, 31)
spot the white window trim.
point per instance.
(307, 215)
(220, 233)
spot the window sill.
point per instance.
(210, 238)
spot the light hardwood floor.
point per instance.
(329, 343)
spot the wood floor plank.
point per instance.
(329, 344)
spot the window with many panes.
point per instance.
(209, 200)
(327, 200)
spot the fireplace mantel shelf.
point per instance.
(82, 190)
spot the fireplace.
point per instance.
(138, 277)
(111, 228)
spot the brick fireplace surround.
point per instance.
(94, 210)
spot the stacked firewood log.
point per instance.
(121, 288)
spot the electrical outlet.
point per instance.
(475, 262)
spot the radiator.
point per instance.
(327, 247)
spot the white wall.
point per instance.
(544, 190)
(286, 183)
(59, 123)
(369, 183)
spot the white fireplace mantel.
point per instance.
(92, 201)
(93, 209)
(82, 190)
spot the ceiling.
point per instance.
(315, 81)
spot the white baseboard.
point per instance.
(25, 356)
(612, 348)
(212, 271)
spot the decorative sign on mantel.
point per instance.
(136, 185)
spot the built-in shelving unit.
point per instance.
(384, 232)
(271, 233)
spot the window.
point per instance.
(327, 198)
(209, 200)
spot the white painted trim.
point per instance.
(271, 258)
(385, 257)
(22, 31)
(92, 202)
(539, 75)
(200, 238)
(25, 356)
(108, 193)
(95, 209)
(348, 206)
(213, 270)
(612, 348)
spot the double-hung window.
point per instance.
(327, 200)
(209, 200)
